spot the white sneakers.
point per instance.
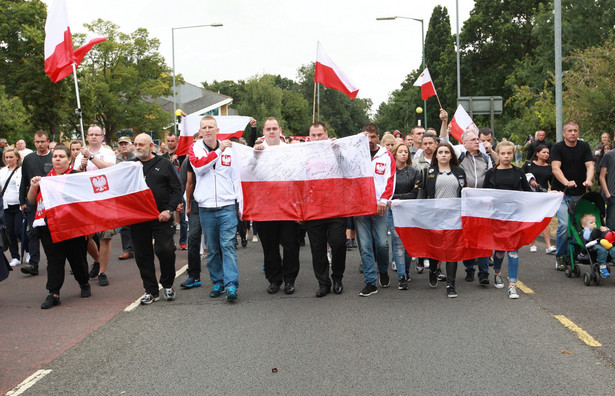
(533, 249)
(550, 250)
(27, 257)
(15, 262)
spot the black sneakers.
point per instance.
(94, 270)
(368, 290)
(86, 290)
(403, 283)
(51, 301)
(384, 279)
(433, 277)
(450, 291)
(29, 269)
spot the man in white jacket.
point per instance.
(217, 192)
(372, 229)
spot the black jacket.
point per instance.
(431, 174)
(518, 183)
(407, 183)
(161, 177)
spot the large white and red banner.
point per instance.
(84, 203)
(229, 126)
(482, 220)
(331, 76)
(432, 228)
(59, 53)
(307, 181)
(505, 220)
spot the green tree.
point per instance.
(14, 119)
(22, 69)
(590, 90)
(261, 99)
(119, 78)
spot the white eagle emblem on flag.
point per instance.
(99, 184)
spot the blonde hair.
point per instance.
(387, 136)
(8, 149)
(505, 143)
(586, 217)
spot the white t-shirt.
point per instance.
(104, 154)
(24, 152)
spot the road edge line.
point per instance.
(28, 382)
(137, 302)
(582, 334)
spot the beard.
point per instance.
(141, 154)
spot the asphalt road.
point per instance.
(395, 342)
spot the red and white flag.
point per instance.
(308, 181)
(328, 74)
(59, 53)
(84, 203)
(460, 123)
(427, 88)
(432, 228)
(229, 126)
(505, 220)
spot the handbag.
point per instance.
(4, 239)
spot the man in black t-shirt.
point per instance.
(573, 171)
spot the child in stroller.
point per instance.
(594, 236)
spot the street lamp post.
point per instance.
(173, 56)
(422, 45)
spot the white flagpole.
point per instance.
(78, 110)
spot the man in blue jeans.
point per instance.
(573, 171)
(372, 229)
(217, 191)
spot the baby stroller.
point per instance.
(588, 203)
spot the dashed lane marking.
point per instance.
(28, 382)
(135, 304)
(582, 334)
(521, 286)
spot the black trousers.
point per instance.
(162, 234)
(74, 250)
(33, 236)
(332, 231)
(272, 234)
(194, 241)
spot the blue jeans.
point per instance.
(194, 242)
(483, 265)
(220, 227)
(562, 227)
(602, 254)
(372, 233)
(399, 251)
(513, 263)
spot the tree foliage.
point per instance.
(118, 78)
(14, 119)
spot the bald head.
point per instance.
(143, 147)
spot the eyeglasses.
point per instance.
(94, 134)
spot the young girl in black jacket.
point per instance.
(444, 179)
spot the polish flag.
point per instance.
(503, 219)
(427, 88)
(84, 203)
(328, 74)
(460, 123)
(308, 181)
(433, 228)
(229, 126)
(59, 53)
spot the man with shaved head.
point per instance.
(162, 179)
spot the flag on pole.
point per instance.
(229, 126)
(505, 220)
(59, 53)
(328, 74)
(427, 88)
(309, 181)
(460, 123)
(84, 203)
(432, 228)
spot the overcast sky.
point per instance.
(277, 37)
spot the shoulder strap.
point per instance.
(8, 180)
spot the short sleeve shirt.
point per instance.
(573, 161)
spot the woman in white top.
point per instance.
(10, 180)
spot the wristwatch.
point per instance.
(170, 212)
(92, 157)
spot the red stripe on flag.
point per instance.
(183, 145)
(442, 245)
(59, 65)
(84, 218)
(503, 235)
(456, 130)
(428, 90)
(327, 76)
(227, 136)
(308, 199)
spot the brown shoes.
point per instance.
(126, 256)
